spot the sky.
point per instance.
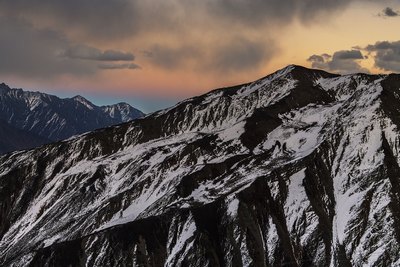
(154, 53)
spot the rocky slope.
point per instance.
(54, 118)
(300, 168)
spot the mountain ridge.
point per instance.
(299, 168)
(54, 118)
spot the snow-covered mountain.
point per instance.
(54, 118)
(122, 112)
(300, 168)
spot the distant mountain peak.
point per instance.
(84, 102)
(80, 98)
(55, 118)
(123, 111)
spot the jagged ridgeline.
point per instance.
(300, 168)
(30, 119)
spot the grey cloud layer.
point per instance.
(118, 66)
(344, 61)
(107, 18)
(27, 51)
(119, 16)
(112, 21)
(91, 53)
(259, 11)
(242, 54)
(31, 52)
(386, 55)
(237, 54)
(347, 54)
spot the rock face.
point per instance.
(54, 118)
(300, 168)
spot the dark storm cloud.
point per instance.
(347, 54)
(386, 55)
(383, 45)
(344, 61)
(91, 53)
(116, 66)
(389, 12)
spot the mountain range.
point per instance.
(299, 168)
(36, 118)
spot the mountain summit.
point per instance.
(299, 168)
